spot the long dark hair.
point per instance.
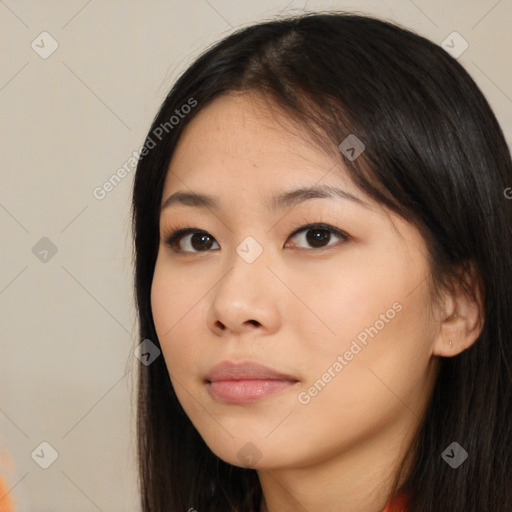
(435, 155)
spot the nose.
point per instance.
(246, 299)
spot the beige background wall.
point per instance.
(69, 121)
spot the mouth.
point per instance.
(245, 382)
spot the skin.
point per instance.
(296, 308)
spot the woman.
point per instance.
(322, 248)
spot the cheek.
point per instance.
(163, 302)
(362, 387)
(372, 314)
(175, 296)
(339, 300)
(176, 307)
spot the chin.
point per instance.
(259, 454)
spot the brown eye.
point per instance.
(315, 236)
(201, 241)
(190, 240)
(318, 236)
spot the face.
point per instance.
(317, 304)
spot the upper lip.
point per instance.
(228, 370)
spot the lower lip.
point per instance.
(241, 391)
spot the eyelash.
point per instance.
(177, 233)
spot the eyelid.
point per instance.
(176, 235)
(319, 225)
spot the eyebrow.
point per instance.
(281, 201)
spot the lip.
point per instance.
(245, 382)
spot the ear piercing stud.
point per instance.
(453, 316)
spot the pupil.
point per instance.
(320, 235)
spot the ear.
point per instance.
(462, 314)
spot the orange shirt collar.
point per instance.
(396, 504)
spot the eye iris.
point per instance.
(320, 236)
(203, 241)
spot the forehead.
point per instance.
(242, 140)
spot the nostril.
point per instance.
(221, 326)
